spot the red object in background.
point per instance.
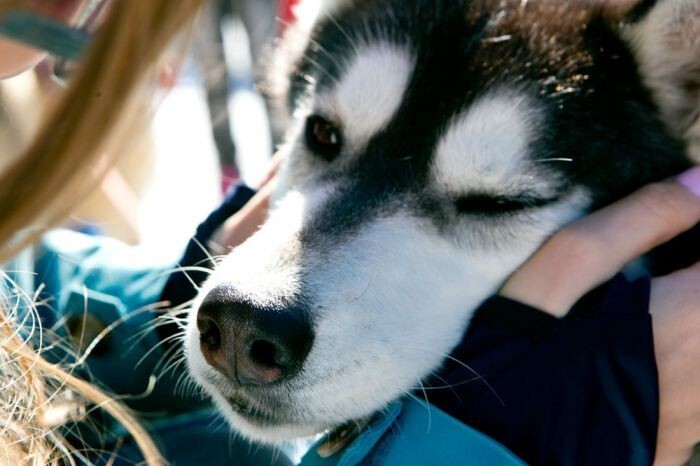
(229, 177)
(285, 11)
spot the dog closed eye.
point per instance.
(497, 205)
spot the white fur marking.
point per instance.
(487, 149)
(364, 109)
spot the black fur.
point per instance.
(582, 75)
(639, 11)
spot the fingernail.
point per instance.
(691, 180)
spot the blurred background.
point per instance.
(210, 128)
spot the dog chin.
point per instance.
(260, 428)
(254, 424)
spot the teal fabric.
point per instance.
(413, 433)
(44, 33)
(114, 283)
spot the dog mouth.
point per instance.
(253, 412)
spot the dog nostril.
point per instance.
(264, 353)
(210, 334)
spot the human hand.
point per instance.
(595, 249)
(246, 221)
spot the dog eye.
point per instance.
(323, 137)
(494, 205)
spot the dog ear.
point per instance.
(665, 38)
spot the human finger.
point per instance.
(246, 221)
(275, 164)
(675, 310)
(592, 250)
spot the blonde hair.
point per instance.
(49, 177)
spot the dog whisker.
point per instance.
(369, 285)
(171, 353)
(477, 376)
(184, 269)
(156, 346)
(173, 367)
(204, 249)
(427, 404)
(498, 39)
(448, 386)
(311, 80)
(343, 32)
(556, 159)
(318, 47)
(189, 279)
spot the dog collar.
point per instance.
(409, 432)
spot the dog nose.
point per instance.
(249, 343)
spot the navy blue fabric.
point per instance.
(582, 390)
(179, 287)
(677, 254)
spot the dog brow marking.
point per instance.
(372, 89)
(486, 148)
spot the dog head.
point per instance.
(433, 146)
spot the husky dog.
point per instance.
(433, 146)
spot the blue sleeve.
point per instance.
(99, 283)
